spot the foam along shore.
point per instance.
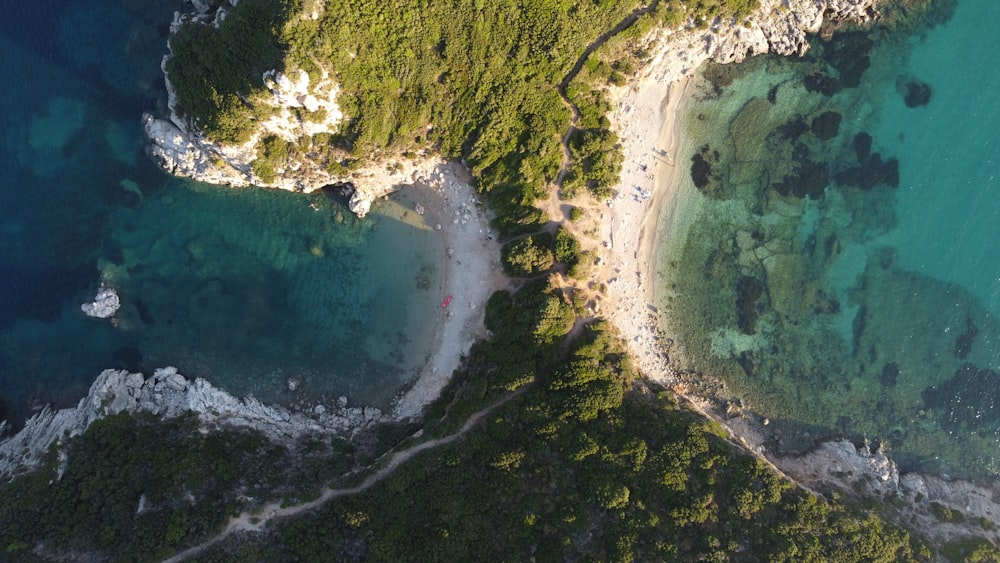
(471, 272)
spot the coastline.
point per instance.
(470, 273)
(649, 111)
(629, 231)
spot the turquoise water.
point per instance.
(839, 268)
(248, 288)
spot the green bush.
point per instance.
(528, 256)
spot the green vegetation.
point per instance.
(477, 81)
(568, 251)
(272, 154)
(945, 514)
(216, 71)
(528, 256)
(971, 550)
(141, 488)
(587, 464)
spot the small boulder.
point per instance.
(105, 304)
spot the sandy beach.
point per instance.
(647, 117)
(470, 273)
(622, 230)
(628, 229)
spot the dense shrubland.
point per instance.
(477, 81)
(588, 462)
(139, 487)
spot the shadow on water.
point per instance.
(252, 289)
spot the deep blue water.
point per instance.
(248, 288)
(850, 215)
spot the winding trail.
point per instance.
(564, 85)
(255, 522)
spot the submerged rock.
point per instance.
(872, 172)
(849, 53)
(818, 82)
(703, 174)
(748, 291)
(808, 179)
(970, 399)
(963, 344)
(915, 93)
(795, 128)
(826, 125)
(862, 145)
(889, 375)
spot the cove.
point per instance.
(837, 266)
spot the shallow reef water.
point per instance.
(249, 288)
(839, 264)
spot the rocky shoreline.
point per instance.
(781, 27)
(169, 394)
(838, 467)
(300, 109)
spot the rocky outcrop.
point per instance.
(941, 508)
(299, 109)
(779, 26)
(167, 393)
(105, 304)
(840, 463)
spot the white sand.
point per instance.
(646, 118)
(470, 275)
(622, 230)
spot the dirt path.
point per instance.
(564, 85)
(255, 522)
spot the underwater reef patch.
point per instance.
(703, 173)
(889, 375)
(795, 128)
(819, 82)
(872, 172)
(862, 145)
(748, 291)
(915, 93)
(808, 178)
(826, 125)
(850, 54)
(963, 344)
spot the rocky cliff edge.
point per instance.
(782, 27)
(299, 108)
(167, 393)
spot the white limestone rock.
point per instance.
(779, 26)
(105, 304)
(168, 394)
(844, 465)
